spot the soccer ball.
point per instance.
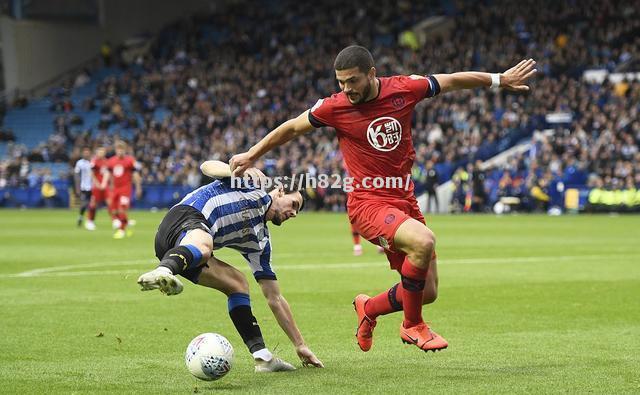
(209, 356)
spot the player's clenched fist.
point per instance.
(239, 163)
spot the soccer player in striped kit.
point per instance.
(219, 215)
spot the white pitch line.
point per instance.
(60, 271)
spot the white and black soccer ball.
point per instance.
(209, 356)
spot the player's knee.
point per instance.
(204, 248)
(424, 245)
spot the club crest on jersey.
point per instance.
(118, 170)
(384, 133)
(397, 101)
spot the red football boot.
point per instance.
(423, 337)
(364, 333)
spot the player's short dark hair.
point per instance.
(354, 56)
(289, 187)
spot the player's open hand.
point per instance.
(240, 163)
(515, 78)
(307, 357)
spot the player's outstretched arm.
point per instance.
(281, 310)
(514, 79)
(287, 131)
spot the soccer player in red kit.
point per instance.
(124, 170)
(372, 118)
(99, 191)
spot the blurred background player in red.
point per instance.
(100, 182)
(124, 172)
(357, 247)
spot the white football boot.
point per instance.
(160, 278)
(273, 365)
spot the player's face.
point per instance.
(356, 84)
(285, 206)
(86, 153)
(101, 152)
(120, 150)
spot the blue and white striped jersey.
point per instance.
(236, 217)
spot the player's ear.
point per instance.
(372, 73)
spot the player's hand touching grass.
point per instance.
(515, 78)
(307, 357)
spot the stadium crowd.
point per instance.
(224, 80)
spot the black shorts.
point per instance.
(178, 221)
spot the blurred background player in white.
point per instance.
(99, 191)
(124, 172)
(83, 182)
(216, 216)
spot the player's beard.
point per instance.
(363, 96)
(277, 220)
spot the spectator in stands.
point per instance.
(479, 193)
(431, 185)
(48, 191)
(195, 95)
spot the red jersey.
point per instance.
(375, 137)
(122, 171)
(99, 167)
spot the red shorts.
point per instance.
(120, 198)
(99, 195)
(378, 221)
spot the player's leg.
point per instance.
(230, 281)
(191, 253)
(91, 214)
(417, 241)
(112, 199)
(357, 247)
(183, 244)
(84, 204)
(390, 301)
(123, 201)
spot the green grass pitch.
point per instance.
(528, 304)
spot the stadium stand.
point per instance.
(213, 85)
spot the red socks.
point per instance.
(413, 279)
(123, 220)
(406, 296)
(386, 302)
(91, 215)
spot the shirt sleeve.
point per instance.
(260, 263)
(321, 113)
(76, 169)
(422, 87)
